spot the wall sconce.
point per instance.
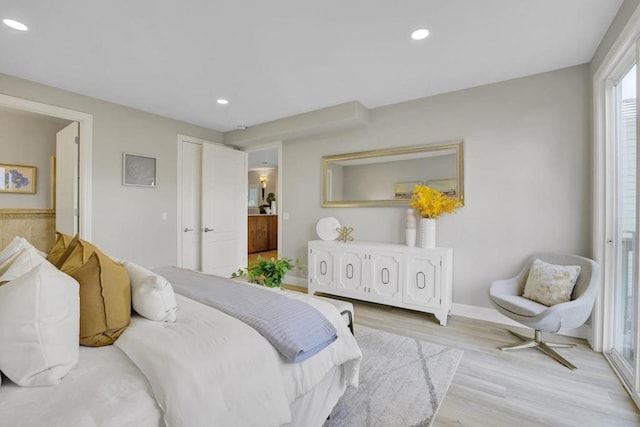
(263, 183)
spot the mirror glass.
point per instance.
(387, 177)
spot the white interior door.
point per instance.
(191, 190)
(67, 141)
(224, 210)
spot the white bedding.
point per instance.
(206, 369)
(105, 389)
(212, 369)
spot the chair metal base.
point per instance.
(543, 346)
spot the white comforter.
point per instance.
(211, 369)
(105, 389)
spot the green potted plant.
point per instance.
(269, 273)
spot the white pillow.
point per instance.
(152, 295)
(550, 284)
(5, 265)
(23, 263)
(40, 318)
(15, 246)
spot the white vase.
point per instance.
(410, 228)
(410, 234)
(427, 234)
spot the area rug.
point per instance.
(402, 382)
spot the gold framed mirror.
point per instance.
(387, 177)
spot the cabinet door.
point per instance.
(273, 232)
(258, 234)
(350, 271)
(385, 275)
(423, 280)
(251, 234)
(321, 268)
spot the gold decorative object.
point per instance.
(344, 234)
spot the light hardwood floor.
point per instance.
(265, 255)
(516, 388)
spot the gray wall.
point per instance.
(527, 175)
(29, 139)
(127, 221)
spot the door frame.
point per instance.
(85, 121)
(625, 46)
(193, 140)
(603, 166)
(279, 202)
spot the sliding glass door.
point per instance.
(624, 313)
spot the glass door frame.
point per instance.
(619, 61)
(628, 372)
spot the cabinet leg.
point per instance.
(442, 317)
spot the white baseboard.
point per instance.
(295, 280)
(481, 313)
(493, 315)
(476, 313)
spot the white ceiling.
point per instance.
(277, 58)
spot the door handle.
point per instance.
(187, 229)
(206, 230)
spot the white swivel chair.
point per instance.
(506, 297)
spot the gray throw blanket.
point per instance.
(296, 329)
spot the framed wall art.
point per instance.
(18, 179)
(138, 170)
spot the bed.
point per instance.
(206, 368)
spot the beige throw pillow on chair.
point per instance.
(550, 284)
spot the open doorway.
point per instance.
(58, 118)
(264, 190)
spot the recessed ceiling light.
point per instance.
(16, 25)
(420, 34)
(222, 101)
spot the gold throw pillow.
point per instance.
(62, 241)
(105, 300)
(76, 255)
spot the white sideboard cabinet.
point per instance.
(385, 273)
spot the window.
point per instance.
(253, 195)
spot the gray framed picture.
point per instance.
(138, 170)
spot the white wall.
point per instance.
(127, 221)
(527, 175)
(29, 139)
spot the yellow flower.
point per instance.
(430, 203)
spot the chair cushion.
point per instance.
(519, 305)
(550, 284)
